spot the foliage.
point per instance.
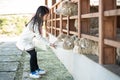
(13, 24)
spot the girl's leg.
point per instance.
(33, 60)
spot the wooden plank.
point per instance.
(64, 24)
(52, 17)
(109, 4)
(109, 56)
(65, 18)
(53, 27)
(46, 2)
(68, 25)
(79, 18)
(48, 20)
(73, 32)
(74, 17)
(115, 12)
(70, 17)
(112, 42)
(85, 28)
(101, 33)
(61, 24)
(55, 16)
(51, 21)
(64, 30)
(90, 15)
(85, 5)
(53, 2)
(58, 24)
(56, 4)
(58, 19)
(90, 37)
(109, 29)
(58, 29)
(106, 30)
(74, 0)
(109, 32)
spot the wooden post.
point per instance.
(53, 2)
(55, 23)
(107, 29)
(46, 2)
(79, 18)
(46, 35)
(68, 25)
(52, 16)
(61, 24)
(101, 33)
(51, 21)
(85, 5)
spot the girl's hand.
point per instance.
(52, 45)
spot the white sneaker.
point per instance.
(34, 75)
(40, 71)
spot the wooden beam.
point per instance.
(74, 17)
(74, 0)
(90, 37)
(112, 42)
(56, 3)
(101, 33)
(46, 2)
(85, 9)
(51, 21)
(55, 23)
(53, 2)
(64, 30)
(61, 24)
(90, 15)
(106, 30)
(68, 25)
(73, 32)
(109, 32)
(52, 17)
(79, 18)
(115, 12)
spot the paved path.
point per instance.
(14, 64)
(9, 60)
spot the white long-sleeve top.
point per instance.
(25, 41)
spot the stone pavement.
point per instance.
(9, 60)
(14, 64)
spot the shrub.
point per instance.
(13, 24)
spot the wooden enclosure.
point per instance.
(108, 16)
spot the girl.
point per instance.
(25, 43)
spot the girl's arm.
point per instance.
(39, 36)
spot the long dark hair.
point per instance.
(38, 17)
